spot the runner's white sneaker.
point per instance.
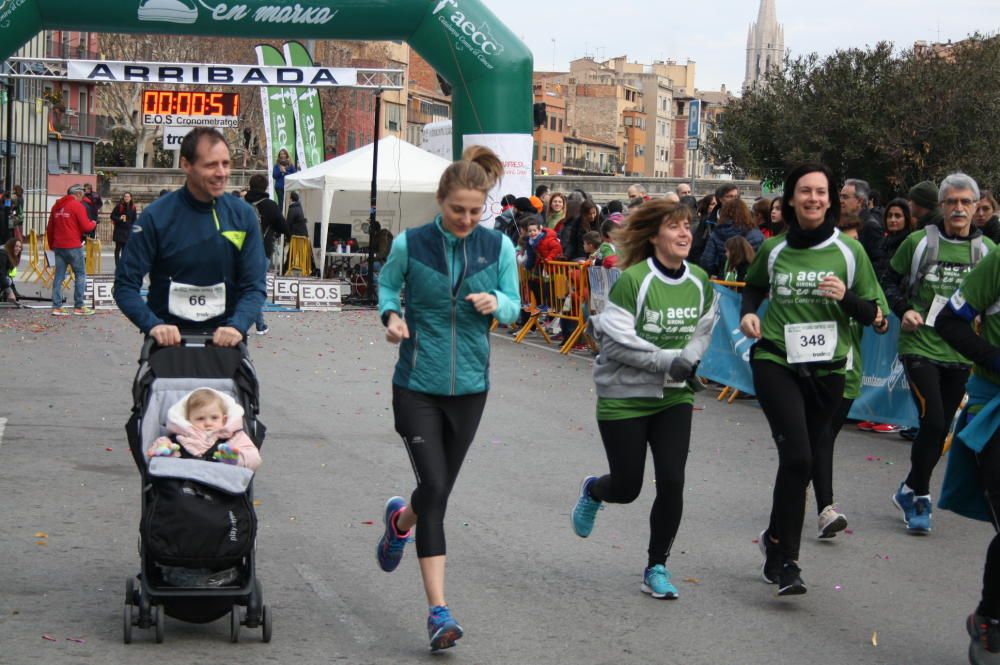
(830, 522)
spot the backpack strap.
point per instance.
(928, 260)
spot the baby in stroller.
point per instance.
(205, 424)
(207, 421)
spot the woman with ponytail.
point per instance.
(458, 276)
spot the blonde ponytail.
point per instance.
(479, 169)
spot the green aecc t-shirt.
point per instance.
(792, 277)
(953, 263)
(666, 313)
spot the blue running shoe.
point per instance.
(442, 629)
(390, 546)
(585, 510)
(920, 522)
(904, 501)
(656, 582)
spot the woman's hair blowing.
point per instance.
(479, 169)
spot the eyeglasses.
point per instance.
(955, 202)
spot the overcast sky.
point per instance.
(714, 33)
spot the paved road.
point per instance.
(524, 587)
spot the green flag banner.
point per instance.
(308, 111)
(276, 104)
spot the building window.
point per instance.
(552, 153)
(350, 140)
(537, 152)
(560, 125)
(393, 116)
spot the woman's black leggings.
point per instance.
(437, 431)
(823, 459)
(119, 246)
(799, 411)
(668, 434)
(989, 477)
(938, 392)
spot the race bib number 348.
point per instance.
(810, 342)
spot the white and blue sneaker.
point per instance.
(920, 522)
(656, 582)
(442, 629)
(390, 546)
(904, 500)
(585, 510)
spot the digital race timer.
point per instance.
(176, 102)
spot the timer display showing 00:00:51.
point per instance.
(175, 102)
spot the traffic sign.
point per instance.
(694, 118)
(694, 144)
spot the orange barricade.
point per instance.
(561, 289)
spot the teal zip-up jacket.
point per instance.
(448, 351)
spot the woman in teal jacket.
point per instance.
(458, 277)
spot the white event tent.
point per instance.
(338, 191)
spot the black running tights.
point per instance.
(668, 435)
(799, 411)
(822, 475)
(437, 431)
(989, 477)
(938, 392)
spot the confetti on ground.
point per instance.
(42, 543)
(367, 522)
(874, 638)
(109, 449)
(48, 637)
(873, 458)
(836, 587)
(41, 534)
(849, 532)
(257, 502)
(78, 640)
(692, 580)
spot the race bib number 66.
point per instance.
(810, 342)
(197, 303)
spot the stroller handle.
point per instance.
(188, 338)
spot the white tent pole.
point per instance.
(324, 229)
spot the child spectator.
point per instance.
(543, 244)
(198, 422)
(849, 225)
(739, 256)
(591, 245)
(608, 252)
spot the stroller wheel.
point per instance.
(130, 591)
(266, 622)
(158, 614)
(127, 625)
(234, 624)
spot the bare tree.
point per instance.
(122, 101)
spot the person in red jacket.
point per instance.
(68, 223)
(543, 244)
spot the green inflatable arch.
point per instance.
(488, 68)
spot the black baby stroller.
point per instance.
(197, 516)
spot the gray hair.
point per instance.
(75, 189)
(862, 189)
(641, 188)
(957, 181)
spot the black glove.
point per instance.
(681, 369)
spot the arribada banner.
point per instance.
(308, 111)
(515, 151)
(186, 73)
